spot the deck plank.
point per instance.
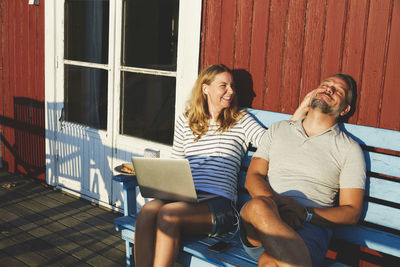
(45, 249)
(43, 226)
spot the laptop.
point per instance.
(167, 179)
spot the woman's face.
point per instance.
(219, 93)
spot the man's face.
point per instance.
(330, 97)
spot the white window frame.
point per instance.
(186, 73)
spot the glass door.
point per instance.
(118, 73)
(84, 140)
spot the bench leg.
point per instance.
(129, 254)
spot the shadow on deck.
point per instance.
(42, 226)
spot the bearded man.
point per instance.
(305, 177)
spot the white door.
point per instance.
(84, 91)
(155, 70)
(124, 70)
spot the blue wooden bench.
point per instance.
(378, 230)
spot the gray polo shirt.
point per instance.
(311, 169)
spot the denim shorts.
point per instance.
(223, 214)
(315, 237)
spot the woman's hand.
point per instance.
(304, 106)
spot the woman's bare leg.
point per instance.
(175, 219)
(145, 232)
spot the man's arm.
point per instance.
(256, 182)
(348, 211)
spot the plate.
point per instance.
(119, 169)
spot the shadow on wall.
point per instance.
(28, 147)
(244, 87)
(77, 158)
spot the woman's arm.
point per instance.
(302, 110)
(178, 150)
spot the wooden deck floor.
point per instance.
(41, 226)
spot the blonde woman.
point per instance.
(213, 134)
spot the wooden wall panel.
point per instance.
(8, 79)
(276, 39)
(287, 47)
(374, 64)
(241, 63)
(259, 39)
(228, 31)
(390, 116)
(354, 44)
(293, 56)
(22, 87)
(243, 34)
(333, 40)
(313, 40)
(211, 32)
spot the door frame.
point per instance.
(187, 71)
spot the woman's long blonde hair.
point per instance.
(197, 111)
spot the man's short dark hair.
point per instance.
(351, 96)
(351, 84)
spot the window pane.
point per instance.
(86, 30)
(85, 96)
(148, 106)
(150, 34)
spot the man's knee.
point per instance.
(259, 206)
(266, 261)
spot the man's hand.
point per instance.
(292, 213)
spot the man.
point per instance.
(299, 171)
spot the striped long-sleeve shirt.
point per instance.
(216, 157)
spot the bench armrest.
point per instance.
(129, 183)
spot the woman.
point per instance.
(213, 134)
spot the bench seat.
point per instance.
(378, 229)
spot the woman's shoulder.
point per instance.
(181, 120)
(245, 116)
(182, 116)
(243, 113)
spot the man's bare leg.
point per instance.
(264, 227)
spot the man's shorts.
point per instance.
(224, 216)
(315, 237)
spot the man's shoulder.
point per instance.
(345, 141)
(344, 137)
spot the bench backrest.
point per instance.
(379, 226)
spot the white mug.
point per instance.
(151, 153)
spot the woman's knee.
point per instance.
(168, 218)
(149, 212)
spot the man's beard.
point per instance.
(324, 107)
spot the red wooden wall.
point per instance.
(22, 87)
(287, 46)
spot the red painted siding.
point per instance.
(22, 87)
(286, 47)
